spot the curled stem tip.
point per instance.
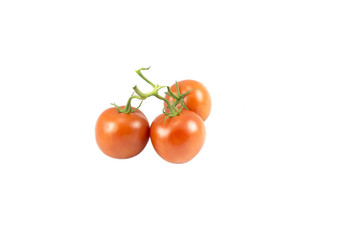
(143, 77)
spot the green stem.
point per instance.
(127, 108)
(155, 93)
(171, 108)
(173, 111)
(143, 77)
(143, 96)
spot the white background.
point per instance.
(281, 157)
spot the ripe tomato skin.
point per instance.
(122, 135)
(179, 138)
(198, 100)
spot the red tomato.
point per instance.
(122, 135)
(198, 100)
(179, 138)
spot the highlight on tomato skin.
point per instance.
(178, 139)
(198, 100)
(122, 135)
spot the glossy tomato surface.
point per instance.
(122, 135)
(198, 100)
(179, 138)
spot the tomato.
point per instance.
(179, 138)
(198, 100)
(122, 135)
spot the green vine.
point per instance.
(138, 94)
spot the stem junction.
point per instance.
(138, 94)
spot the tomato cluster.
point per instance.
(177, 134)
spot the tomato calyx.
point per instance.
(179, 98)
(127, 108)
